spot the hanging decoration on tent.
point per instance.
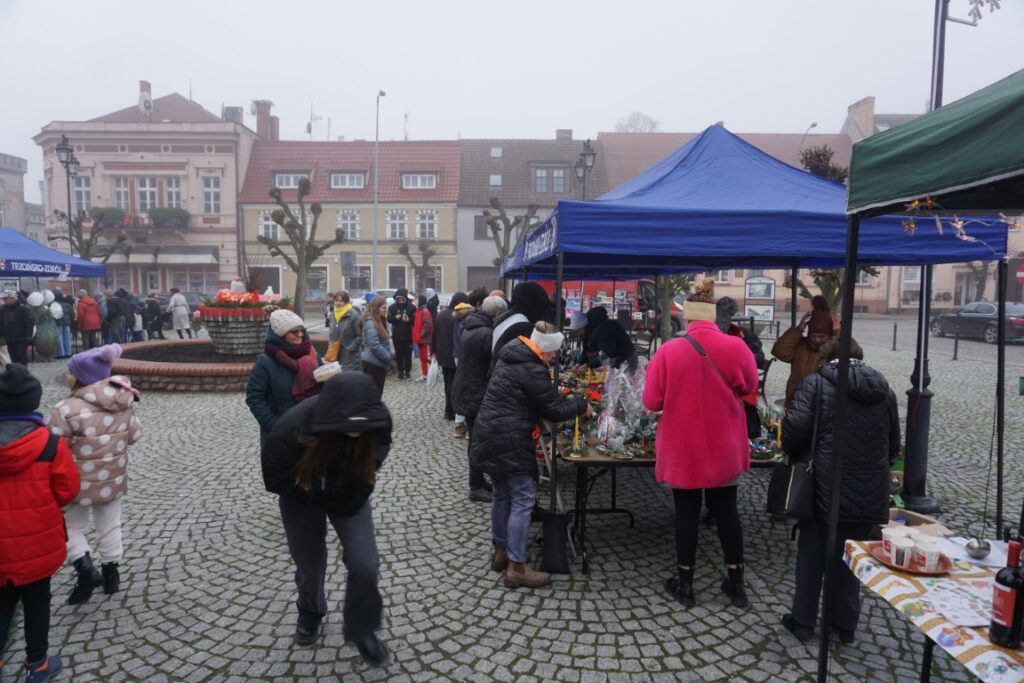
(928, 208)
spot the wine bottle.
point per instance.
(1008, 601)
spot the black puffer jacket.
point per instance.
(401, 330)
(869, 448)
(16, 322)
(348, 402)
(607, 341)
(474, 364)
(518, 396)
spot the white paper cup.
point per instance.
(902, 552)
(889, 534)
(926, 557)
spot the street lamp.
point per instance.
(584, 165)
(71, 164)
(813, 125)
(376, 190)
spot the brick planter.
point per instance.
(158, 376)
(235, 331)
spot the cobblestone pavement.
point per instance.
(208, 594)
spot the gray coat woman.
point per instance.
(348, 330)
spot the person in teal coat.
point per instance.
(268, 393)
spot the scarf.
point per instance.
(339, 313)
(288, 355)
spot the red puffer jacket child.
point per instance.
(37, 478)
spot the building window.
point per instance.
(912, 274)
(434, 278)
(267, 227)
(360, 282)
(756, 272)
(83, 193)
(121, 193)
(287, 181)
(495, 152)
(722, 277)
(480, 229)
(426, 224)
(398, 225)
(495, 180)
(348, 222)
(863, 277)
(173, 193)
(347, 181)
(419, 181)
(396, 277)
(211, 194)
(558, 180)
(540, 180)
(202, 279)
(147, 194)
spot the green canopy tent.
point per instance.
(965, 157)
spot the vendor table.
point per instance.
(909, 593)
(604, 464)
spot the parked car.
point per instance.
(978, 319)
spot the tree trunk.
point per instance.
(300, 287)
(665, 295)
(980, 283)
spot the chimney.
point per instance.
(145, 89)
(563, 134)
(231, 114)
(261, 108)
(275, 128)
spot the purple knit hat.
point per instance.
(94, 365)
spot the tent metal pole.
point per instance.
(838, 436)
(793, 275)
(559, 318)
(1001, 269)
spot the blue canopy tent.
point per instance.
(22, 257)
(719, 202)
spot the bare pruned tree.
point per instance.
(422, 270)
(93, 235)
(637, 122)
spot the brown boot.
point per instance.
(499, 560)
(522, 574)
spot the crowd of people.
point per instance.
(324, 436)
(54, 324)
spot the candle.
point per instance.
(778, 438)
(576, 433)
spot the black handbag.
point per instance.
(791, 488)
(749, 411)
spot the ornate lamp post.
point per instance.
(584, 165)
(376, 192)
(70, 163)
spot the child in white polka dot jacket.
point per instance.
(98, 421)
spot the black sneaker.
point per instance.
(801, 632)
(373, 652)
(306, 635)
(480, 495)
(845, 637)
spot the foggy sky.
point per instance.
(479, 69)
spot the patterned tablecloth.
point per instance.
(909, 593)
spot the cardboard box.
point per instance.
(914, 519)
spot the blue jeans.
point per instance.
(512, 502)
(64, 340)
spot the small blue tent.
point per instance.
(719, 202)
(22, 257)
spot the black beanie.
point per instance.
(530, 299)
(20, 392)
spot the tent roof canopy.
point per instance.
(22, 257)
(719, 202)
(967, 156)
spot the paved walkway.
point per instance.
(208, 596)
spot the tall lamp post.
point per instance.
(584, 165)
(376, 191)
(814, 124)
(70, 163)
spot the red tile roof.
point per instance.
(627, 154)
(171, 108)
(320, 159)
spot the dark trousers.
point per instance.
(403, 356)
(722, 503)
(449, 376)
(377, 373)
(35, 602)
(185, 331)
(476, 477)
(155, 330)
(116, 330)
(90, 340)
(306, 528)
(810, 570)
(18, 351)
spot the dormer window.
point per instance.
(348, 181)
(288, 181)
(419, 181)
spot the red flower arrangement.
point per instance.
(228, 304)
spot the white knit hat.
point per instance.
(577, 321)
(547, 342)
(283, 321)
